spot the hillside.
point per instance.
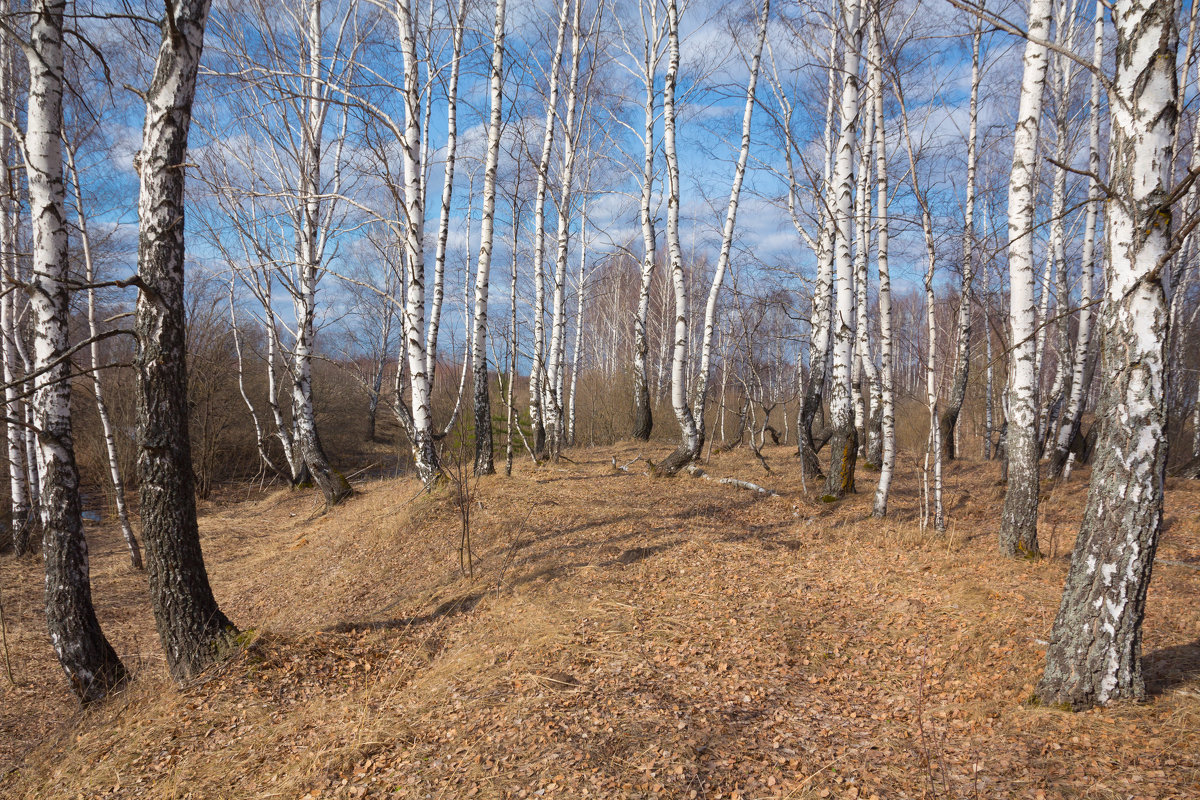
(621, 636)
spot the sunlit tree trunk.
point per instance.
(821, 323)
(1073, 415)
(735, 191)
(537, 372)
(887, 461)
(643, 417)
(690, 437)
(18, 477)
(484, 464)
(843, 444)
(91, 665)
(552, 399)
(1094, 655)
(192, 628)
(962, 345)
(1018, 526)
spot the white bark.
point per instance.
(886, 381)
(483, 408)
(841, 410)
(735, 191)
(552, 400)
(690, 443)
(537, 373)
(1018, 533)
(1074, 409)
(1094, 655)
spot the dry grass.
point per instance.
(622, 636)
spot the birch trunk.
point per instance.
(1094, 655)
(869, 393)
(537, 372)
(822, 313)
(484, 459)
(421, 432)
(962, 345)
(735, 191)
(18, 477)
(552, 400)
(106, 428)
(886, 382)
(843, 443)
(643, 417)
(1069, 429)
(91, 665)
(192, 628)
(1018, 526)
(439, 257)
(690, 436)
(583, 221)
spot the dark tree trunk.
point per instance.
(192, 628)
(843, 446)
(643, 418)
(484, 456)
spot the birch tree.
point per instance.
(962, 343)
(21, 523)
(484, 460)
(537, 373)
(92, 667)
(843, 443)
(887, 460)
(690, 436)
(1094, 656)
(1018, 526)
(735, 191)
(191, 626)
(652, 38)
(1073, 415)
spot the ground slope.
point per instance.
(620, 636)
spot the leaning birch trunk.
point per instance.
(843, 444)
(18, 477)
(1094, 655)
(552, 400)
(643, 417)
(192, 628)
(106, 428)
(690, 442)
(962, 345)
(425, 455)
(1073, 416)
(537, 371)
(735, 191)
(1018, 526)
(887, 462)
(91, 665)
(484, 459)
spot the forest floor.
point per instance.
(621, 636)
